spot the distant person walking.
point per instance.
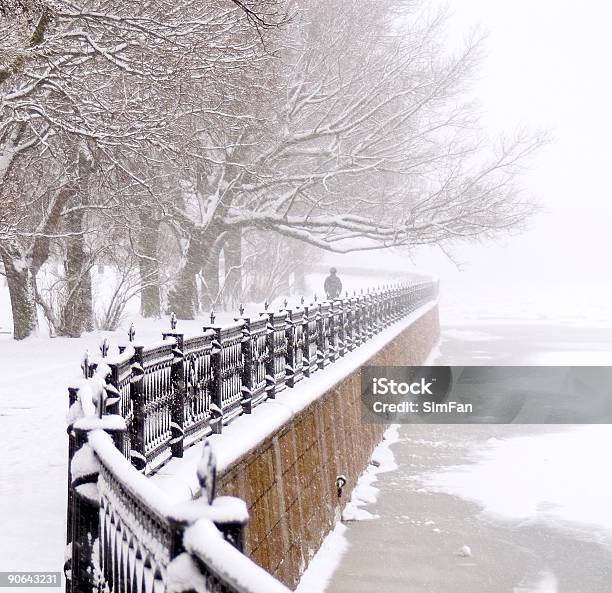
(333, 285)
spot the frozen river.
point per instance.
(483, 508)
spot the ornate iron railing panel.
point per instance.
(135, 541)
(121, 378)
(152, 395)
(294, 334)
(277, 353)
(197, 369)
(256, 359)
(227, 373)
(311, 337)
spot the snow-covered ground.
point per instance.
(569, 304)
(559, 326)
(34, 376)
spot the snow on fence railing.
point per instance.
(128, 537)
(155, 400)
(181, 389)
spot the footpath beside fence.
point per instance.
(134, 411)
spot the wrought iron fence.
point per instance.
(181, 389)
(128, 537)
(176, 392)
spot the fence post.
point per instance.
(332, 339)
(320, 337)
(177, 408)
(356, 320)
(85, 514)
(341, 327)
(73, 395)
(305, 344)
(290, 339)
(83, 525)
(216, 360)
(294, 335)
(397, 312)
(385, 302)
(270, 353)
(363, 319)
(348, 324)
(138, 437)
(247, 368)
(369, 315)
(372, 312)
(230, 524)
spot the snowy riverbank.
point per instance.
(455, 518)
(477, 508)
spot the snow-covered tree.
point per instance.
(111, 85)
(366, 141)
(155, 135)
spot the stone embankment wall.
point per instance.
(289, 480)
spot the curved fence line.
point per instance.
(181, 389)
(134, 411)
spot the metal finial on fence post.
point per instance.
(85, 364)
(173, 320)
(212, 316)
(315, 297)
(131, 332)
(104, 347)
(302, 300)
(266, 305)
(241, 309)
(285, 303)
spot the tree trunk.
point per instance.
(22, 291)
(150, 301)
(77, 313)
(202, 254)
(183, 297)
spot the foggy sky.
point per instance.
(546, 66)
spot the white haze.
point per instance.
(546, 66)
